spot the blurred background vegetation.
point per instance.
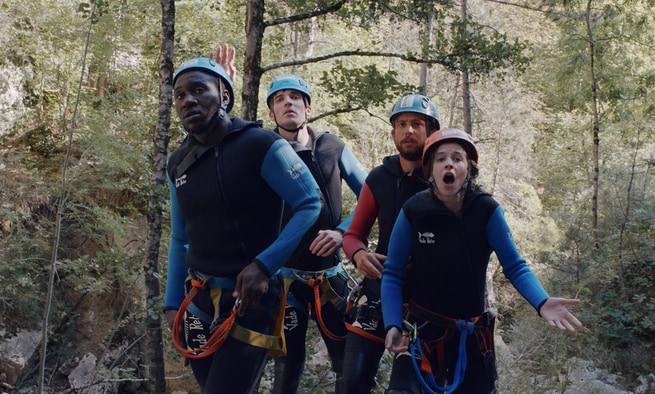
(560, 103)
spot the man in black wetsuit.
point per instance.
(229, 181)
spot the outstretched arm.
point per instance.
(555, 313)
(552, 309)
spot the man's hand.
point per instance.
(326, 242)
(170, 317)
(369, 264)
(225, 57)
(252, 284)
(396, 341)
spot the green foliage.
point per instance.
(359, 88)
(473, 47)
(368, 13)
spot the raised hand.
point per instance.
(225, 57)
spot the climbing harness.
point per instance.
(274, 343)
(323, 291)
(478, 326)
(362, 312)
(429, 383)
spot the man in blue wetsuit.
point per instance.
(317, 283)
(229, 182)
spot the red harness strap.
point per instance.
(218, 337)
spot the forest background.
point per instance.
(555, 92)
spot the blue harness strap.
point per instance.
(476, 326)
(430, 385)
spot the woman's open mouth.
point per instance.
(449, 179)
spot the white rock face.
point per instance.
(15, 352)
(88, 376)
(11, 95)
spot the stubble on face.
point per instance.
(409, 134)
(197, 103)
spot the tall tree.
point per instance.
(466, 84)
(156, 382)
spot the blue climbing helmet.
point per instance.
(288, 81)
(207, 65)
(417, 103)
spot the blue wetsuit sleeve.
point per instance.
(395, 270)
(177, 249)
(355, 176)
(514, 266)
(286, 173)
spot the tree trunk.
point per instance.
(466, 87)
(596, 128)
(252, 72)
(424, 66)
(154, 352)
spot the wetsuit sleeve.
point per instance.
(177, 249)
(364, 215)
(285, 173)
(354, 175)
(395, 269)
(514, 266)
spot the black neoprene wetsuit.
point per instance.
(330, 163)
(226, 211)
(386, 189)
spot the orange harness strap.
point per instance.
(362, 333)
(218, 337)
(315, 284)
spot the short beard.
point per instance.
(411, 155)
(208, 127)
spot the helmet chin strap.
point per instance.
(295, 130)
(465, 186)
(219, 116)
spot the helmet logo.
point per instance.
(406, 101)
(424, 102)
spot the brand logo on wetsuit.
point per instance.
(426, 238)
(180, 181)
(296, 171)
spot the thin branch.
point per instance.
(343, 111)
(334, 112)
(357, 52)
(530, 8)
(60, 208)
(300, 17)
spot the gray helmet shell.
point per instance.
(416, 103)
